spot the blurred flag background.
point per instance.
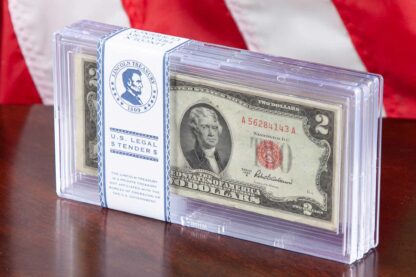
(369, 35)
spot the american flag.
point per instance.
(367, 35)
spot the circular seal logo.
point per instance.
(268, 154)
(133, 86)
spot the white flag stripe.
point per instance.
(35, 21)
(300, 29)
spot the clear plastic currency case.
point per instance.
(268, 149)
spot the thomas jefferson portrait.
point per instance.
(205, 139)
(132, 81)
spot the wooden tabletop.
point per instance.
(42, 235)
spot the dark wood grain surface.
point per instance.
(42, 235)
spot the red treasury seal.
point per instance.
(268, 154)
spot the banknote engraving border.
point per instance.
(86, 113)
(325, 184)
(248, 104)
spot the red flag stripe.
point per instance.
(384, 34)
(16, 84)
(208, 21)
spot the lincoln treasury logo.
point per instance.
(133, 86)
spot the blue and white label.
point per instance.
(133, 112)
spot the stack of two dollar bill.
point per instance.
(262, 148)
(274, 154)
